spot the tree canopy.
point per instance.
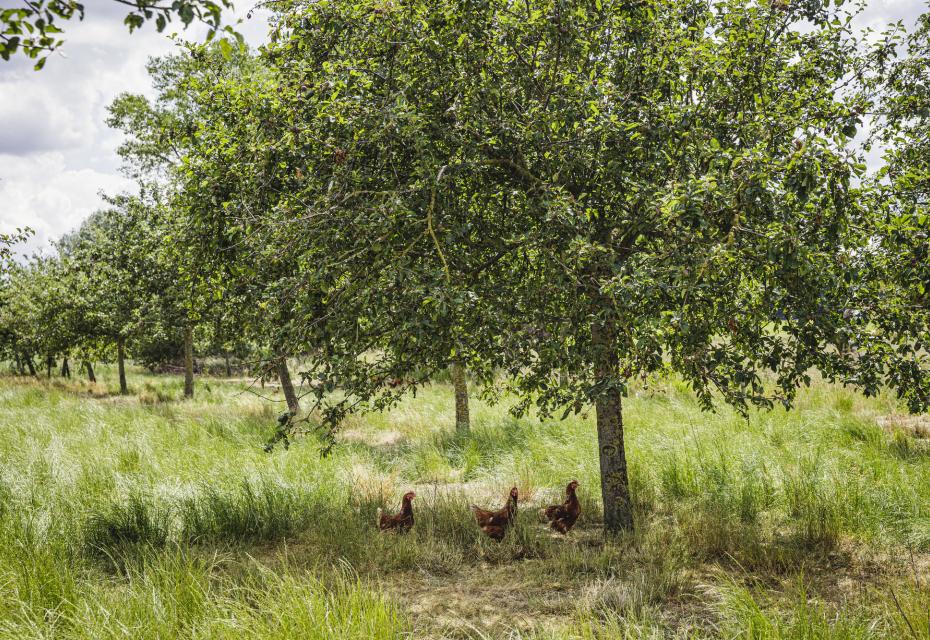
(562, 197)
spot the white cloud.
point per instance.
(42, 192)
(56, 152)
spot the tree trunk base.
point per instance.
(615, 483)
(460, 384)
(121, 365)
(188, 362)
(287, 387)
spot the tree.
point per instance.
(34, 29)
(9, 348)
(898, 260)
(229, 183)
(34, 313)
(585, 193)
(109, 265)
(160, 134)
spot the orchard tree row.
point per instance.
(557, 196)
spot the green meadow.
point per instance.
(149, 516)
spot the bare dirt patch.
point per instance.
(487, 598)
(915, 426)
(388, 438)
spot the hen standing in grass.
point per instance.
(401, 522)
(562, 517)
(495, 523)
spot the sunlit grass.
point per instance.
(150, 516)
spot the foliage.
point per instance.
(582, 194)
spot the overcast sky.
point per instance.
(56, 152)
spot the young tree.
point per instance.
(586, 192)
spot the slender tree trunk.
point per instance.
(65, 369)
(189, 361)
(615, 485)
(284, 375)
(31, 365)
(121, 364)
(90, 371)
(460, 384)
(19, 364)
(228, 368)
(49, 363)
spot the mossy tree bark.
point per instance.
(189, 361)
(121, 365)
(460, 384)
(615, 484)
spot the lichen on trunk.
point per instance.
(615, 484)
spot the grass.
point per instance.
(146, 516)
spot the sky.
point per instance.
(57, 154)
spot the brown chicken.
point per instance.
(495, 523)
(562, 517)
(401, 522)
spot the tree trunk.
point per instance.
(65, 369)
(49, 363)
(121, 364)
(189, 361)
(615, 485)
(90, 372)
(31, 365)
(19, 364)
(228, 368)
(460, 384)
(284, 375)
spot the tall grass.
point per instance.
(148, 516)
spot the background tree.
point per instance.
(160, 134)
(8, 266)
(899, 257)
(111, 271)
